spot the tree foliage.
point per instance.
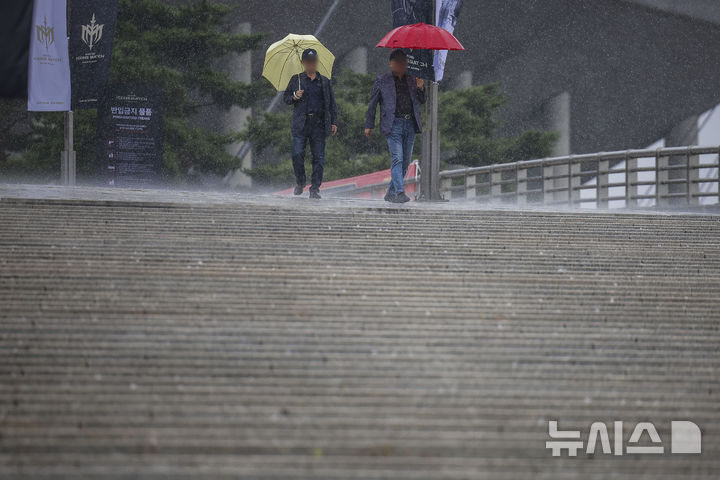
(176, 48)
(468, 124)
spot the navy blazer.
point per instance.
(383, 92)
(300, 110)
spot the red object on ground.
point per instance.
(371, 185)
(421, 36)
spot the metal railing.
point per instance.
(631, 178)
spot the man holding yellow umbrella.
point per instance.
(305, 66)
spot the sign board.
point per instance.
(131, 137)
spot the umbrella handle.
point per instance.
(299, 58)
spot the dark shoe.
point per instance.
(389, 197)
(298, 190)
(315, 194)
(401, 198)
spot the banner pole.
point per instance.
(425, 155)
(435, 194)
(435, 134)
(69, 153)
(67, 166)
(430, 159)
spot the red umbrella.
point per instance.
(420, 36)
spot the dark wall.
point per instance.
(632, 72)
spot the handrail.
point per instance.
(552, 161)
(564, 181)
(676, 175)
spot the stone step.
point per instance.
(198, 336)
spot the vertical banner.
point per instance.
(447, 14)
(92, 30)
(48, 66)
(15, 20)
(407, 12)
(130, 136)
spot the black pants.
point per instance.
(314, 133)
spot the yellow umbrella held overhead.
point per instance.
(282, 60)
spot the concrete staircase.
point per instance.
(193, 338)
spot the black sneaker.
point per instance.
(298, 190)
(389, 197)
(315, 194)
(401, 198)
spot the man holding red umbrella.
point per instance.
(398, 121)
(400, 96)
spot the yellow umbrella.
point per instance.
(282, 60)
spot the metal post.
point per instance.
(693, 179)
(574, 184)
(430, 160)
(570, 181)
(521, 186)
(718, 178)
(496, 184)
(662, 179)
(631, 178)
(425, 176)
(470, 186)
(688, 180)
(549, 179)
(67, 157)
(602, 180)
(434, 147)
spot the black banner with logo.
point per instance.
(92, 30)
(407, 12)
(130, 136)
(15, 21)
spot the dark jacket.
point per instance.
(383, 92)
(300, 110)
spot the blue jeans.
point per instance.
(401, 140)
(314, 133)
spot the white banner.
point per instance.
(446, 13)
(49, 66)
